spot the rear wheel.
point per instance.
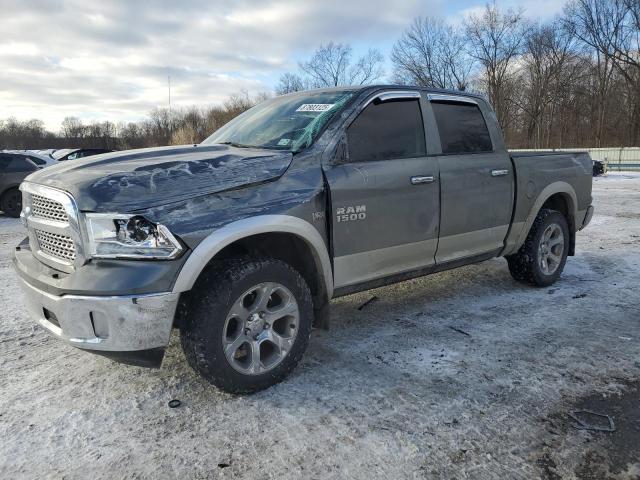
(541, 259)
(246, 323)
(11, 202)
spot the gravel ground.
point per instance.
(462, 374)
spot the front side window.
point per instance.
(291, 122)
(60, 154)
(387, 130)
(461, 127)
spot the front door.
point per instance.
(384, 195)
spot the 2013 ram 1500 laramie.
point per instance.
(241, 241)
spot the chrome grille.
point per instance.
(53, 221)
(60, 246)
(50, 209)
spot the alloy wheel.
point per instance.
(261, 328)
(550, 249)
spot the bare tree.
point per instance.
(611, 28)
(331, 66)
(548, 52)
(431, 54)
(496, 40)
(72, 128)
(159, 125)
(290, 82)
(23, 134)
(367, 69)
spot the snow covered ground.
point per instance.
(462, 374)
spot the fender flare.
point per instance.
(546, 193)
(222, 237)
(10, 187)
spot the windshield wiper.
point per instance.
(238, 145)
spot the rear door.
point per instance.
(384, 193)
(13, 169)
(476, 179)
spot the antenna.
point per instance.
(170, 122)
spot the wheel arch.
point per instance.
(286, 237)
(8, 188)
(559, 196)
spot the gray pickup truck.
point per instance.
(240, 242)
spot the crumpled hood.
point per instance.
(136, 179)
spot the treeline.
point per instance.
(161, 127)
(573, 81)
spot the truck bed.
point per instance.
(537, 171)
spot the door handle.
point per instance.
(422, 179)
(499, 173)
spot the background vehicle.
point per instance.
(14, 167)
(599, 168)
(241, 241)
(75, 153)
(47, 152)
(40, 159)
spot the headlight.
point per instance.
(129, 236)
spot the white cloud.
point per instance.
(110, 59)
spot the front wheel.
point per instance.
(11, 202)
(541, 259)
(246, 323)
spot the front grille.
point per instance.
(60, 246)
(54, 232)
(50, 209)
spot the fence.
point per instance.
(617, 159)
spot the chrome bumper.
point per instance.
(105, 324)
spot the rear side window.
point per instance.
(37, 161)
(462, 128)
(387, 130)
(15, 163)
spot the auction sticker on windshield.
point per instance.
(315, 107)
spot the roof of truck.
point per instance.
(381, 86)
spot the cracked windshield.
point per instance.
(291, 122)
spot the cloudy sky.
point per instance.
(110, 59)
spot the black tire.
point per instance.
(205, 309)
(11, 202)
(525, 266)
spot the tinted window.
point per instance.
(37, 161)
(462, 128)
(4, 162)
(387, 130)
(15, 163)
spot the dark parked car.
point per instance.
(40, 159)
(599, 168)
(14, 167)
(75, 153)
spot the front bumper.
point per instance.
(133, 329)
